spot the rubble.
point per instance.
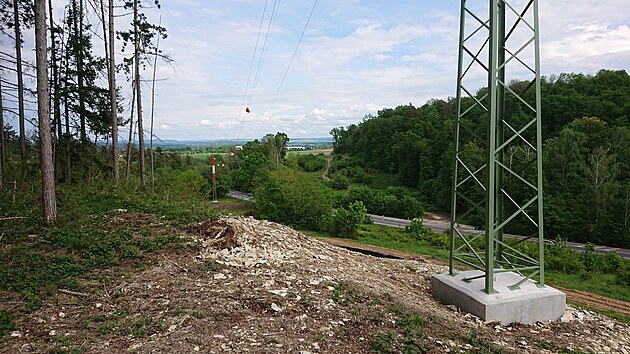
(253, 286)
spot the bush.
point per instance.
(312, 163)
(425, 234)
(623, 276)
(381, 203)
(339, 182)
(560, 257)
(613, 263)
(189, 183)
(270, 200)
(347, 221)
(590, 259)
(294, 198)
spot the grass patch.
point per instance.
(312, 152)
(344, 294)
(600, 284)
(398, 239)
(6, 323)
(408, 337)
(480, 345)
(98, 227)
(204, 156)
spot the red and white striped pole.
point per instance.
(214, 181)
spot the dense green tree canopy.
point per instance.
(586, 129)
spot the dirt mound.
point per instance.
(245, 285)
(247, 242)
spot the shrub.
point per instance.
(381, 203)
(294, 198)
(339, 182)
(347, 221)
(189, 183)
(613, 263)
(312, 163)
(590, 259)
(425, 234)
(560, 257)
(623, 276)
(270, 200)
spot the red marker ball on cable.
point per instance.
(247, 110)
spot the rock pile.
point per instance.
(247, 242)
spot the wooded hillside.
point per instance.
(586, 132)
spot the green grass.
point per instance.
(391, 238)
(397, 239)
(410, 337)
(313, 152)
(384, 180)
(36, 259)
(600, 284)
(204, 156)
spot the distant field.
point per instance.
(314, 152)
(204, 155)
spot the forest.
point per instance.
(76, 108)
(586, 152)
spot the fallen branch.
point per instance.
(13, 218)
(175, 264)
(75, 293)
(118, 288)
(220, 233)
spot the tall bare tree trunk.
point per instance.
(78, 28)
(129, 144)
(157, 46)
(43, 108)
(139, 91)
(112, 93)
(55, 79)
(2, 160)
(20, 83)
(68, 137)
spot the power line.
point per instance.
(288, 67)
(251, 66)
(263, 52)
(270, 26)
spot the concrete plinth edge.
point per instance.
(529, 304)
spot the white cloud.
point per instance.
(370, 39)
(587, 41)
(357, 57)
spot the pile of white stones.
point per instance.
(247, 242)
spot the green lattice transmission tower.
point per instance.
(497, 182)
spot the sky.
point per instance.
(355, 58)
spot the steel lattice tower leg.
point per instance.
(498, 145)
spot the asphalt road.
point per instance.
(440, 224)
(242, 196)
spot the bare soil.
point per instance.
(580, 297)
(244, 285)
